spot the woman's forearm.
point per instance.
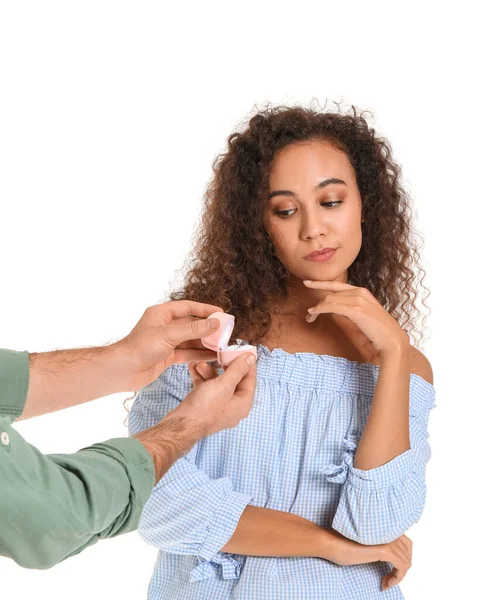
(386, 433)
(267, 532)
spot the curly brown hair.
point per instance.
(233, 263)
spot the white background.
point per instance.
(111, 114)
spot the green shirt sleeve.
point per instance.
(14, 380)
(53, 506)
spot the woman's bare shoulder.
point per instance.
(420, 365)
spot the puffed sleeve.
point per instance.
(377, 506)
(188, 512)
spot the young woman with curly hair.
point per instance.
(306, 238)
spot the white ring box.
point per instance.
(218, 341)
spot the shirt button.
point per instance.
(4, 437)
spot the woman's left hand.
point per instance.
(360, 306)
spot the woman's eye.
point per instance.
(285, 213)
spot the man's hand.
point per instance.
(166, 334)
(217, 402)
(220, 401)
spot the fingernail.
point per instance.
(250, 359)
(307, 281)
(213, 323)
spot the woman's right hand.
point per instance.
(398, 553)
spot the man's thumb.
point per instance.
(239, 367)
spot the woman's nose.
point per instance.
(312, 227)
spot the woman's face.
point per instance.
(314, 203)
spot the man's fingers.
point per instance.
(246, 387)
(185, 308)
(234, 373)
(195, 376)
(186, 356)
(177, 334)
(201, 372)
(206, 371)
(245, 391)
(191, 344)
(243, 379)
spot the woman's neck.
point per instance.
(300, 298)
(331, 333)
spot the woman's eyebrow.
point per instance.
(322, 184)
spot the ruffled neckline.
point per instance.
(328, 358)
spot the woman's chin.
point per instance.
(321, 273)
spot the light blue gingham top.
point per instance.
(293, 453)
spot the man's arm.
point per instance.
(14, 378)
(165, 334)
(54, 506)
(65, 378)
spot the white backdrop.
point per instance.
(111, 114)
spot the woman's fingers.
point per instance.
(389, 580)
(400, 556)
(406, 546)
(386, 579)
(393, 578)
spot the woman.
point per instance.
(306, 239)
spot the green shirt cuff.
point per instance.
(14, 382)
(138, 463)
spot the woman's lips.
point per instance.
(321, 255)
